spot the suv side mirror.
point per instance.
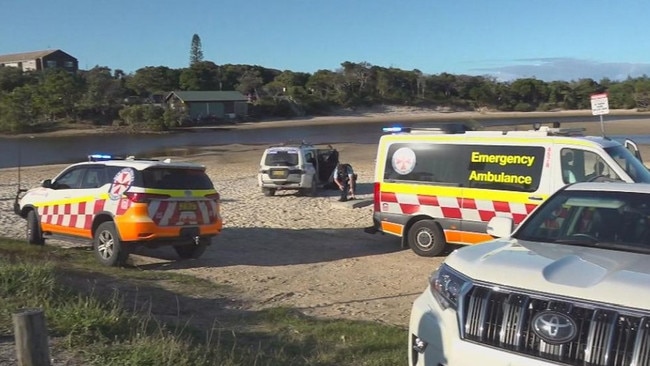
(499, 227)
(46, 183)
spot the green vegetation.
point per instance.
(31, 101)
(125, 316)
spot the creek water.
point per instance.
(39, 150)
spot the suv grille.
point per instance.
(504, 319)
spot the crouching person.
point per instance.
(346, 180)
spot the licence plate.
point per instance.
(187, 206)
(277, 173)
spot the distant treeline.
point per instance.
(31, 100)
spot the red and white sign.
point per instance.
(599, 104)
(121, 183)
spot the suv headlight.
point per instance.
(446, 286)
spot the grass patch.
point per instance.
(125, 316)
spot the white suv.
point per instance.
(117, 204)
(302, 167)
(570, 286)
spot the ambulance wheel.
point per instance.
(426, 238)
(33, 232)
(268, 192)
(108, 246)
(192, 251)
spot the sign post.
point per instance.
(599, 107)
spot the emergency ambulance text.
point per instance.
(500, 178)
(502, 160)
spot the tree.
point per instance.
(59, 93)
(202, 75)
(196, 52)
(250, 82)
(154, 79)
(18, 109)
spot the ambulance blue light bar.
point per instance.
(396, 129)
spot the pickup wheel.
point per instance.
(33, 231)
(108, 246)
(426, 238)
(268, 192)
(192, 251)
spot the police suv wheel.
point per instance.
(108, 247)
(192, 251)
(426, 238)
(268, 191)
(33, 231)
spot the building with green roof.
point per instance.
(209, 105)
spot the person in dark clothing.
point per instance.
(346, 180)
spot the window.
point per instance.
(281, 158)
(69, 179)
(68, 64)
(614, 220)
(170, 178)
(51, 63)
(632, 166)
(95, 177)
(513, 168)
(581, 166)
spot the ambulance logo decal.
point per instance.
(403, 160)
(121, 183)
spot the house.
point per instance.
(40, 60)
(209, 104)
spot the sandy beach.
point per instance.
(289, 250)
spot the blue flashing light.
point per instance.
(98, 157)
(396, 129)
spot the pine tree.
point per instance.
(196, 53)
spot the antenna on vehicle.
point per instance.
(19, 190)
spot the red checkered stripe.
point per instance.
(165, 213)
(78, 214)
(469, 209)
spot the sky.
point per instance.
(507, 39)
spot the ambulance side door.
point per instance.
(56, 212)
(576, 163)
(504, 179)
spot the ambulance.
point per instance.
(433, 187)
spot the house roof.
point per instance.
(208, 96)
(25, 56)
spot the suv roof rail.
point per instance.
(292, 143)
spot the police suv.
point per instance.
(432, 187)
(118, 203)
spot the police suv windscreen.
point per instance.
(632, 166)
(176, 178)
(281, 157)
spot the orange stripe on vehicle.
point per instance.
(453, 236)
(476, 238)
(392, 228)
(466, 237)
